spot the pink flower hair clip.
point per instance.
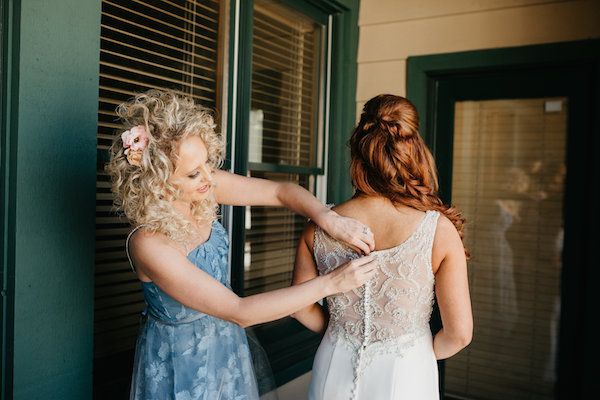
(135, 141)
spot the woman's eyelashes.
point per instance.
(208, 171)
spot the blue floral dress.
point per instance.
(183, 354)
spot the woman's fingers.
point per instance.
(354, 233)
(355, 273)
(362, 247)
(369, 238)
(355, 248)
(365, 268)
(362, 261)
(363, 238)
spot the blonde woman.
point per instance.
(166, 179)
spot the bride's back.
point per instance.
(390, 224)
(393, 309)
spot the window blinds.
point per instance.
(286, 56)
(144, 44)
(284, 97)
(508, 179)
(272, 235)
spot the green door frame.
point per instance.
(8, 92)
(431, 79)
(343, 17)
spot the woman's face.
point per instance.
(193, 174)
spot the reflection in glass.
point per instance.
(508, 178)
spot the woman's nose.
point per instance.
(206, 173)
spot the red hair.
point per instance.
(391, 159)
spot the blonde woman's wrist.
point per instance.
(325, 219)
(328, 285)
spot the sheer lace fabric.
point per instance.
(392, 311)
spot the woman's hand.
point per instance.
(351, 275)
(348, 230)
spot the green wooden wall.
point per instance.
(54, 98)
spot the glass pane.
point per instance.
(286, 49)
(272, 234)
(508, 178)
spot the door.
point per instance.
(514, 148)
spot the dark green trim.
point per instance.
(242, 117)
(343, 96)
(422, 72)
(569, 69)
(290, 169)
(8, 145)
(231, 90)
(308, 9)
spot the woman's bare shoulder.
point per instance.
(446, 241)
(353, 208)
(143, 240)
(445, 233)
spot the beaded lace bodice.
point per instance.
(392, 310)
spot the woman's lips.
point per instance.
(203, 189)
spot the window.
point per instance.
(286, 141)
(283, 136)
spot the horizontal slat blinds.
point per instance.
(508, 178)
(286, 54)
(285, 79)
(144, 44)
(272, 235)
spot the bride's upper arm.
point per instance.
(304, 267)
(451, 280)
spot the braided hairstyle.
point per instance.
(391, 159)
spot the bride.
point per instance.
(377, 342)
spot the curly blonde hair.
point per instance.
(143, 192)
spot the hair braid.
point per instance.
(391, 159)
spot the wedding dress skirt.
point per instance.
(414, 376)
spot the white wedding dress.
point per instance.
(378, 344)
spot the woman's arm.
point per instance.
(452, 292)
(312, 316)
(179, 278)
(239, 190)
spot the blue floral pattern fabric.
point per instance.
(183, 354)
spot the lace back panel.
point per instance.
(393, 309)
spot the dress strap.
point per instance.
(127, 246)
(430, 229)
